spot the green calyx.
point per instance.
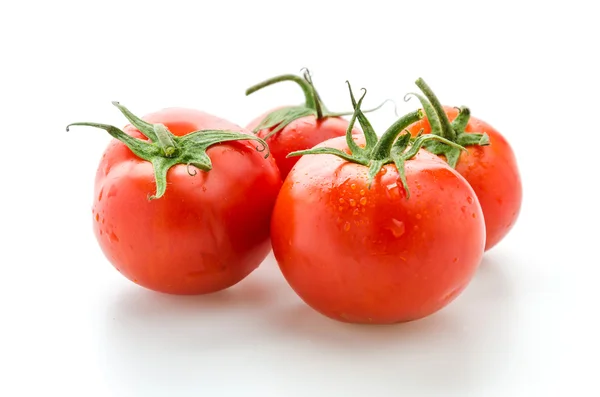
(377, 152)
(313, 105)
(441, 126)
(164, 150)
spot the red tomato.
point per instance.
(207, 232)
(492, 172)
(293, 128)
(300, 134)
(365, 252)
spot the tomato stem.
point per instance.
(440, 125)
(166, 140)
(313, 106)
(164, 150)
(447, 131)
(380, 151)
(306, 87)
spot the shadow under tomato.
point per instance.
(159, 339)
(464, 346)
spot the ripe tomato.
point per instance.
(299, 134)
(491, 169)
(357, 248)
(209, 228)
(292, 128)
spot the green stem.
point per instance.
(165, 140)
(460, 122)
(144, 127)
(447, 131)
(168, 150)
(307, 88)
(384, 145)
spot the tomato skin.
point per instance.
(365, 255)
(207, 232)
(493, 173)
(301, 134)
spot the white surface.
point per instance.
(71, 325)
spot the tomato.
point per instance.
(299, 134)
(293, 128)
(491, 169)
(205, 231)
(376, 233)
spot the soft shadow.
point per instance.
(457, 348)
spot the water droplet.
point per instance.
(470, 200)
(352, 202)
(342, 201)
(356, 211)
(362, 192)
(97, 217)
(340, 208)
(474, 216)
(363, 209)
(113, 237)
(346, 226)
(392, 190)
(100, 195)
(418, 216)
(463, 209)
(397, 228)
(363, 200)
(353, 186)
(383, 170)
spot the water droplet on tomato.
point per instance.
(363, 200)
(362, 192)
(474, 216)
(342, 201)
(113, 237)
(100, 195)
(352, 202)
(383, 170)
(392, 190)
(97, 217)
(356, 211)
(470, 200)
(340, 208)
(396, 227)
(346, 226)
(353, 186)
(362, 209)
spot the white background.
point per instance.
(72, 325)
